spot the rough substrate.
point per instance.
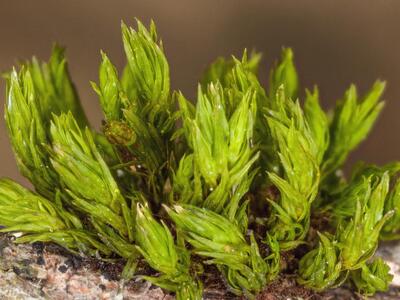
(47, 272)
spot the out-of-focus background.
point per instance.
(336, 43)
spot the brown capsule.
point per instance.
(119, 133)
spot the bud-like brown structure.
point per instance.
(119, 133)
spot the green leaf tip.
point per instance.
(352, 121)
(147, 62)
(156, 244)
(372, 277)
(285, 74)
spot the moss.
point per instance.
(241, 179)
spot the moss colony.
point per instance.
(247, 180)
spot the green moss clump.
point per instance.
(234, 179)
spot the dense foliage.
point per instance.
(237, 180)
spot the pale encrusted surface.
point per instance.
(35, 272)
(29, 273)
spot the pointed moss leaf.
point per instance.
(298, 156)
(359, 237)
(148, 65)
(284, 74)
(352, 121)
(114, 241)
(318, 122)
(143, 109)
(77, 241)
(109, 89)
(148, 107)
(156, 244)
(28, 133)
(363, 178)
(221, 70)
(25, 211)
(36, 92)
(215, 237)
(391, 229)
(42, 220)
(83, 171)
(222, 144)
(273, 259)
(372, 277)
(187, 183)
(55, 90)
(320, 268)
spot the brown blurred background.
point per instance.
(335, 43)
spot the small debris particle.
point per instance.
(63, 268)
(38, 247)
(73, 262)
(40, 261)
(16, 270)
